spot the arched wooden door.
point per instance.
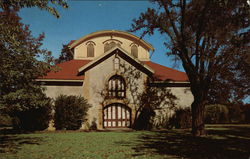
(116, 116)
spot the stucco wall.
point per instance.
(184, 100)
(80, 52)
(94, 88)
(96, 80)
(184, 95)
(56, 90)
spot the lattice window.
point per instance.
(116, 116)
(116, 87)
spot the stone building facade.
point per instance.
(109, 69)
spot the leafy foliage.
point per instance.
(247, 113)
(181, 119)
(42, 4)
(210, 38)
(20, 51)
(5, 120)
(216, 114)
(236, 113)
(144, 97)
(19, 65)
(231, 113)
(66, 55)
(150, 100)
(34, 118)
(70, 112)
(231, 85)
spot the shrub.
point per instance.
(215, 114)
(247, 113)
(93, 125)
(34, 118)
(70, 112)
(236, 114)
(5, 120)
(143, 122)
(181, 119)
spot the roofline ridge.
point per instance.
(80, 40)
(166, 66)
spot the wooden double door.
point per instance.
(116, 116)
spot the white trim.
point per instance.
(110, 51)
(57, 80)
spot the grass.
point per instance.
(222, 142)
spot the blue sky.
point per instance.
(84, 17)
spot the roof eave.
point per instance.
(77, 42)
(109, 52)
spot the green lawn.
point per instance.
(222, 142)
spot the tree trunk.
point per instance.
(198, 109)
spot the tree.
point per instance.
(19, 62)
(152, 98)
(19, 65)
(66, 55)
(231, 85)
(205, 35)
(42, 4)
(70, 112)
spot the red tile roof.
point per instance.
(69, 70)
(163, 73)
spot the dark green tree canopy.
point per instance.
(19, 63)
(22, 60)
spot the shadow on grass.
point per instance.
(228, 143)
(11, 141)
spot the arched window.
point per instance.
(106, 47)
(90, 50)
(116, 87)
(134, 51)
(116, 115)
(112, 45)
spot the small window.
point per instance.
(90, 50)
(116, 63)
(116, 87)
(112, 45)
(106, 47)
(134, 51)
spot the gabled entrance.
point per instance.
(116, 115)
